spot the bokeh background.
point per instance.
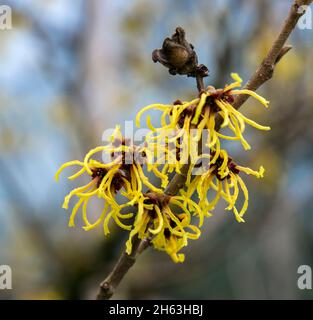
(71, 69)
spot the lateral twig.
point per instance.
(263, 73)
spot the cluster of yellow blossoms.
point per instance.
(168, 220)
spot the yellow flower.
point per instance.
(223, 178)
(169, 231)
(219, 101)
(199, 114)
(107, 179)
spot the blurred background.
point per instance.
(71, 69)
